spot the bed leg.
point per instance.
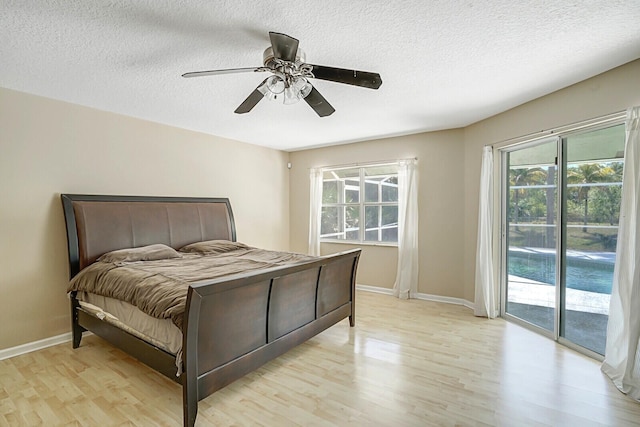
(76, 329)
(189, 402)
(77, 337)
(352, 316)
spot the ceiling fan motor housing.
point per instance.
(269, 59)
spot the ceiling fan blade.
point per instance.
(284, 47)
(350, 77)
(318, 103)
(227, 71)
(251, 101)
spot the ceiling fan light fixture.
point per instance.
(290, 96)
(288, 91)
(273, 88)
(298, 89)
(275, 85)
(301, 86)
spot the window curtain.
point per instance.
(406, 283)
(485, 303)
(315, 210)
(622, 351)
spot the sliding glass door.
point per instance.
(592, 188)
(561, 204)
(530, 231)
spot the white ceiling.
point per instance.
(444, 64)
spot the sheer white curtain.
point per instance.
(407, 276)
(485, 303)
(315, 210)
(622, 352)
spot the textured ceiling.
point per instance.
(444, 64)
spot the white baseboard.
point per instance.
(33, 346)
(420, 296)
(374, 289)
(448, 300)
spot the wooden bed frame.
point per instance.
(232, 325)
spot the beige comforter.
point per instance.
(159, 288)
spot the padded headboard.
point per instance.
(97, 224)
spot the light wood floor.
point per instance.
(406, 363)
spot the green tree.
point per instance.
(520, 177)
(550, 203)
(585, 174)
(606, 200)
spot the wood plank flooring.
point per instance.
(406, 363)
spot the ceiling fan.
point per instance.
(289, 81)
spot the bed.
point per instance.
(230, 325)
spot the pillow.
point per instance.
(142, 253)
(213, 247)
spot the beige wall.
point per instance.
(613, 91)
(449, 164)
(441, 179)
(49, 147)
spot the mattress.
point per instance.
(162, 333)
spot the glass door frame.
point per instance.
(559, 135)
(561, 275)
(504, 234)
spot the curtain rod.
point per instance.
(609, 118)
(359, 164)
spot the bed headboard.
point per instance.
(97, 224)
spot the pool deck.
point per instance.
(525, 291)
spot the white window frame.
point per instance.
(362, 204)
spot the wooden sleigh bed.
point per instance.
(231, 325)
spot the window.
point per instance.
(360, 204)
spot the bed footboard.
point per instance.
(236, 324)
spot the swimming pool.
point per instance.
(592, 272)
